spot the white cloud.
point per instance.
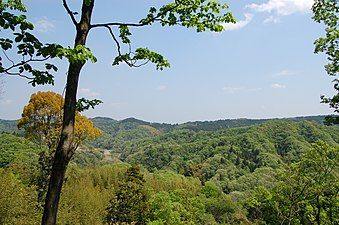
(272, 19)
(278, 86)
(283, 7)
(161, 88)
(239, 24)
(44, 25)
(88, 92)
(285, 73)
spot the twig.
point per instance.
(8, 57)
(70, 13)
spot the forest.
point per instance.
(58, 166)
(278, 171)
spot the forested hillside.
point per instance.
(8, 126)
(117, 132)
(255, 172)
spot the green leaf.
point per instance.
(84, 104)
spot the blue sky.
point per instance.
(261, 67)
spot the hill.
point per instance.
(9, 126)
(117, 132)
(225, 156)
(230, 171)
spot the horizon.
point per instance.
(193, 121)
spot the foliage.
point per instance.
(327, 12)
(17, 150)
(129, 205)
(42, 120)
(82, 202)
(20, 39)
(9, 126)
(306, 193)
(268, 195)
(116, 133)
(87, 156)
(17, 202)
(84, 104)
(227, 154)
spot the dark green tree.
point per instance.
(129, 205)
(327, 12)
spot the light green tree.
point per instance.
(129, 204)
(307, 192)
(327, 12)
(17, 202)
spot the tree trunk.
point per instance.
(65, 148)
(318, 210)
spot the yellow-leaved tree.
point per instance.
(42, 121)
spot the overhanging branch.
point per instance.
(147, 22)
(7, 70)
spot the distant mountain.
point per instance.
(230, 123)
(110, 125)
(118, 132)
(236, 154)
(228, 154)
(9, 126)
(115, 132)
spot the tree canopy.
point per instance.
(42, 120)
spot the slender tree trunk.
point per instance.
(65, 148)
(318, 210)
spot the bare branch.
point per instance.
(132, 63)
(70, 13)
(117, 24)
(129, 63)
(114, 38)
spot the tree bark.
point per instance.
(65, 148)
(318, 210)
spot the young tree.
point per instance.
(199, 14)
(42, 122)
(129, 205)
(327, 12)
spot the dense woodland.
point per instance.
(219, 172)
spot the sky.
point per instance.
(261, 67)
